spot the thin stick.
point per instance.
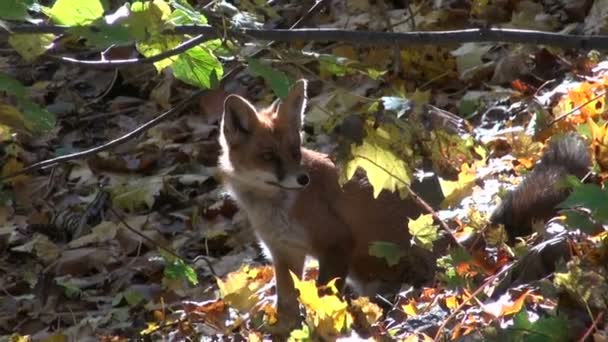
(116, 63)
(403, 39)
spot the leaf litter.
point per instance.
(90, 248)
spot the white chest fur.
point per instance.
(271, 219)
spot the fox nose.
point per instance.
(303, 179)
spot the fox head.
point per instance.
(263, 149)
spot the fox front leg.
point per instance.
(288, 308)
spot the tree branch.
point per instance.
(115, 63)
(401, 39)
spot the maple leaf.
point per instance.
(423, 231)
(327, 314)
(384, 169)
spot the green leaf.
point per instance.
(25, 114)
(198, 67)
(423, 231)
(102, 34)
(38, 118)
(14, 9)
(148, 18)
(301, 334)
(384, 169)
(76, 12)
(449, 263)
(543, 329)
(30, 46)
(184, 14)
(389, 251)
(589, 196)
(278, 81)
(11, 85)
(133, 297)
(342, 66)
(179, 270)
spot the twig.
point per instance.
(121, 140)
(115, 63)
(154, 243)
(563, 116)
(403, 39)
(592, 327)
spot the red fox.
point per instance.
(297, 207)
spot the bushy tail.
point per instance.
(536, 197)
(569, 151)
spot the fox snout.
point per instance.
(296, 181)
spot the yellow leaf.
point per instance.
(410, 308)
(423, 231)
(451, 302)
(384, 169)
(599, 143)
(456, 190)
(328, 315)
(12, 117)
(152, 327)
(240, 289)
(30, 46)
(20, 338)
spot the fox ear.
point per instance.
(239, 119)
(292, 109)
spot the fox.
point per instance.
(297, 208)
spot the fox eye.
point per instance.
(267, 156)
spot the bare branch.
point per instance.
(115, 63)
(402, 39)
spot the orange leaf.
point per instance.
(517, 304)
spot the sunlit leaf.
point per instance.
(198, 67)
(177, 269)
(328, 314)
(76, 12)
(240, 288)
(30, 46)
(423, 231)
(384, 169)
